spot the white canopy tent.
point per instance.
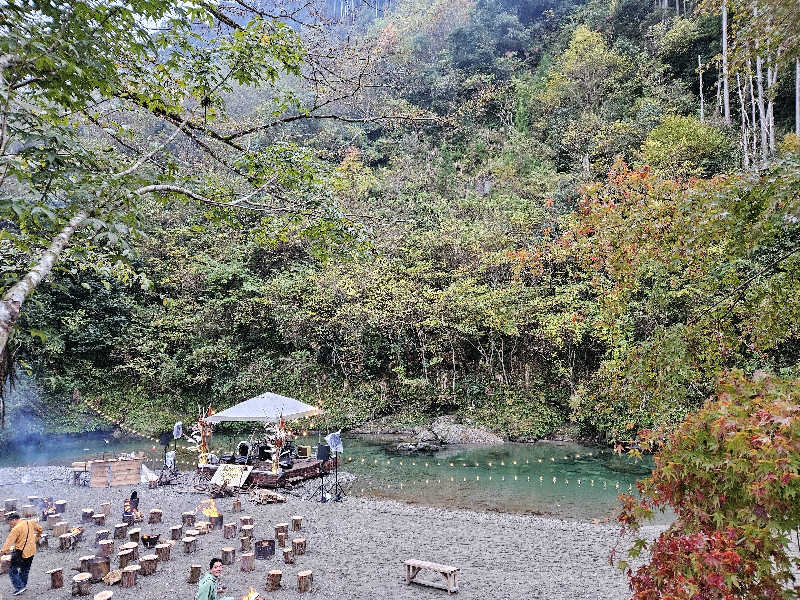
(266, 408)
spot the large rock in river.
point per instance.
(449, 431)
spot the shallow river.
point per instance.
(564, 480)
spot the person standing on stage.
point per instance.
(21, 543)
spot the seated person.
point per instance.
(130, 509)
(209, 585)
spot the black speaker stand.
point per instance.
(321, 487)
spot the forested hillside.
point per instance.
(554, 213)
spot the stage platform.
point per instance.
(262, 475)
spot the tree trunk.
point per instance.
(772, 82)
(702, 105)
(762, 113)
(743, 110)
(797, 97)
(13, 300)
(753, 112)
(725, 95)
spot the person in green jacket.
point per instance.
(207, 587)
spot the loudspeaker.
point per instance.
(323, 452)
(165, 438)
(304, 452)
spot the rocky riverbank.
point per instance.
(451, 429)
(356, 548)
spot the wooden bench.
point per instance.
(449, 573)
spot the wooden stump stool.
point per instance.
(288, 556)
(162, 550)
(247, 530)
(61, 506)
(176, 532)
(43, 542)
(120, 531)
(66, 541)
(281, 528)
(245, 520)
(133, 547)
(194, 573)
(281, 539)
(229, 531)
(237, 505)
(228, 555)
(86, 515)
(61, 528)
(155, 516)
(248, 562)
(56, 578)
(304, 579)
(52, 520)
(105, 508)
(299, 546)
(189, 544)
(28, 511)
(297, 522)
(5, 564)
(149, 562)
(10, 504)
(125, 558)
(187, 519)
(106, 595)
(106, 547)
(247, 544)
(102, 534)
(81, 583)
(133, 534)
(98, 518)
(99, 567)
(129, 575)
(203, 527)
(274, 580)
(83, 563)
(113, 577)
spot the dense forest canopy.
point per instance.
(530, 214)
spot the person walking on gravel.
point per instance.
(21, 543)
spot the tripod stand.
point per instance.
(336, 490)
(323, 454)
(321, 487)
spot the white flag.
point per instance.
(335, 441)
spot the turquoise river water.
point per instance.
(559, 479)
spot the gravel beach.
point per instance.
(356, 548)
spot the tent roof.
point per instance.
(267, 407)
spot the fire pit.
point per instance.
(150, 541)
(209, 509)
(264, 549)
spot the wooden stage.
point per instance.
(262, 475)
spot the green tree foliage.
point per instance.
(685, 147)
(690, 280)
(494, 260)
